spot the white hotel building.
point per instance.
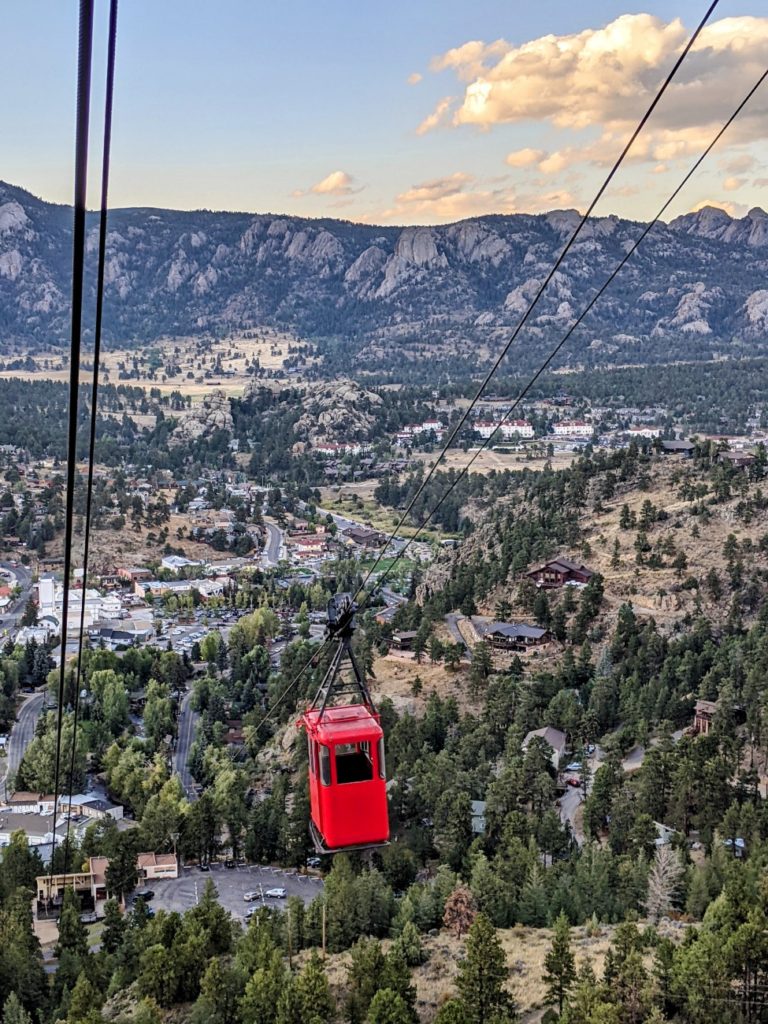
(573, 428)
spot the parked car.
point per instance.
(205, 867)
(574, 766)
(313, 862)
(249, 897)
(144, 894)
(229, 864)
(277, 893)
(250, 912)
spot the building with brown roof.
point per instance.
(157, 865)
(560, 571)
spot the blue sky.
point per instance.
(253, 106)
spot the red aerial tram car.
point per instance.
(347, 777)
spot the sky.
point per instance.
(404, 112)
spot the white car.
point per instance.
(276, 894)
(249, 897)
(574, 766)
(250, 912)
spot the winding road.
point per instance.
(21, 735)
(187, 727)
(452, 620)
(23, 577)
(274, 545)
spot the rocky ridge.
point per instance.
(695, 288)
(202, 420)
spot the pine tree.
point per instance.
(84, 1003)
(73, 935)
(560, 964)
(397, 977)
(387, 1007)
(314, 994)
(114, 927)
(452, 1012)
(409, 942)
(482, 975)
(14, 1012)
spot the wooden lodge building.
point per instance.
(560, 571)
(515, 636)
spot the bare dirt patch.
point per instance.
(396, 674)
(525, 949)
(499, 461)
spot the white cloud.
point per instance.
(470, 59)
(605, 78)
(732, 209)
(734, 184)
(438, 116)
(415, 78)
(739, 164)
(555, 162)
(438, 188)
(450, 198)
(525, 157)
(337, 183)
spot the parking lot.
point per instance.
(183, 892)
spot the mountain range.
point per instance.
(697, 288)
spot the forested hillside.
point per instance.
(640, 931)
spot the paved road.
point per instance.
(9, 620)
(273, 548)
(573, 797)
(452, 622)
(187, 725)
(391, 598)
(21, 734)
(183, 892)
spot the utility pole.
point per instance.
(323, 939)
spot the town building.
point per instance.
(649, 433)
(134, 573)
(25, 802)
(90, 886)
(404, 639)
(739, 460)
(478, 817)
(516, 428)
(90, 806)
(684, 448)
(555, 738)
(704, 715)
(175, 563)
(560, 571)
(153, 866)
(364, 537)
(341, 448)
(573, 428)
(485, 428)
(515, 636)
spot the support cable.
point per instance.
(84, 65)
(543, 287)
(614, 274)
(105, 162)
(454, 483)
